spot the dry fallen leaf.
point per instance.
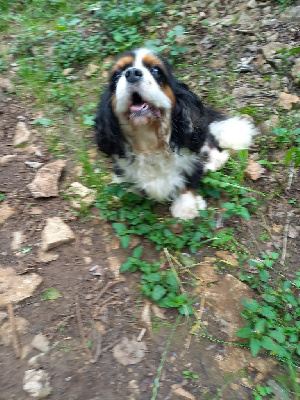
(286, 100)
(254, 170)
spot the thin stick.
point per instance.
(106, 287)
(285, 236)
(163, 358)
(80, 327)
(98, 338)
(12, 321)
(291, 175)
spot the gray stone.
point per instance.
(56, 233)
(36, 383)
(22, 135)
(270, 49)
(291, 14)
(17, 240)
(295, 71)
(41, 343)
(81, 195)
(274, 82)
(6, 85)
(45, 183)
(6, 159)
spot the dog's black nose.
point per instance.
(133, 75)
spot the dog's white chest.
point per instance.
(160, 174)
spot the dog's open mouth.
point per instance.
(139, 107)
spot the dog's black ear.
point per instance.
(108, 136)
(189, 122)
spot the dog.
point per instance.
(161, 137)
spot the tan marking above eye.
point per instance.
(122, 63)
(151, 60)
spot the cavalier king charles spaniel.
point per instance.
(161, 137)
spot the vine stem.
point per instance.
(163, 358)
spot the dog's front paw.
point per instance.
(187, 206)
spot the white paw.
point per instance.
(216, 160)
(187, 206)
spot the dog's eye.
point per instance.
(156, 72)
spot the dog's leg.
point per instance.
(215, 159)
(187, 205)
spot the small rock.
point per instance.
(67, 71)
(6, 85)
(254, 170)
(291, 14)
(114, 265)
(18, 239)
(295, 71)
(179, 391)
(270, 49)
(22, 135)
(82, 194)
(286, 100)
(34, 361)
(274, 82)
(293, 233)
(3, 316)
(252, 4)
(5, 212)
(56, 233)
(129, 352)
(36, 383)
(91, 69)
(14, 288)
(6, 159)
(45, 183)
(41, 343)
(33, 164)
(44, 257)
(245, 20)
(206, 272)
(158, 311)
(6, 332)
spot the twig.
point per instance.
(12, 321)
(80, 327)
(285, 236)
(107, 300)
(291, 175)
(106, 287)
(98, 340)
(110, 346)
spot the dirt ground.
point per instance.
(82, 314)
(91, 348)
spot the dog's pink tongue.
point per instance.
(138, 107)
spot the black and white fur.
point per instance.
(160, 135)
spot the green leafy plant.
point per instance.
(51, 294)
(190, 375)
(263, 393)
(272, 323)
(161, 286)
(2, 196)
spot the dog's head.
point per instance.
(141, 86)
(145, 106)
